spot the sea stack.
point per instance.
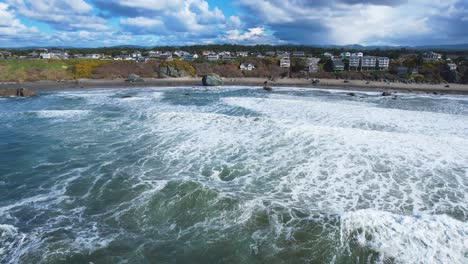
(212, 80)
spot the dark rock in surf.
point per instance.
(16, 92)
(212, 80)
(386, 94)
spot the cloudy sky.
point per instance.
(96, 23)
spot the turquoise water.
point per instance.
(233, 175)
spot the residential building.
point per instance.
(345, 54)
(354, 62)
(285, 62)
(212, 57)
(247, 66)
(431, 56)
(154, 53)
(338, 64)
(136, 54)
(369, 62)
(45, 55)
(452, 66)
(93, 56)
(5, 54)
(383, 63)
(328, 55)
(312, 64)
(207, 52)
(358, 54)
(190, 57)
(166, 56)
(270, 53)
(298, 54)
(256, 54)
(242, 54)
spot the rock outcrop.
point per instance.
(212, 80)
(134, 78)
(16, 92)
(171, 71)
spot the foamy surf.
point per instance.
(234, 174)
(407, 239)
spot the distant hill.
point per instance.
(454, 47)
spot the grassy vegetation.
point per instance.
(55, 70)
(33, 70)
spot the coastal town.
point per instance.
(407, 66)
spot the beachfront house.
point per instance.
(298, 54)
(354, 62)
(242, 54)
(212, 57)
(154, 53)
(452, 66)
(247, 67)
(328, 55)
(312, 64)
(383, 63)
(368, 63)
(338, 64)
(166, 56)
(93, 56)
(4, 54)
(45, 55)
(345, 54)
(431, 56)
(190, 57)
(256, 54)
(285, 62)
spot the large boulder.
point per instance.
(171, 71)
(212, 80)
(134, 78)
(16, 92)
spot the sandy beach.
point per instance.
(192, 81)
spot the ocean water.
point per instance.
(233, 175)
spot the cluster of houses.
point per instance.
(354, 61)
(358, 62)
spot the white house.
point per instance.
(242, 54)
(328, 55)
(285, 62)
(45, 55)
(345, 54)
(431, 56)
(247, 66)
(452, 66)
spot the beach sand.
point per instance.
(192, 81)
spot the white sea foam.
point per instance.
(61, 113)
(408, 239)
(346, 114)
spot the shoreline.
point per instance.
(355, 85)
